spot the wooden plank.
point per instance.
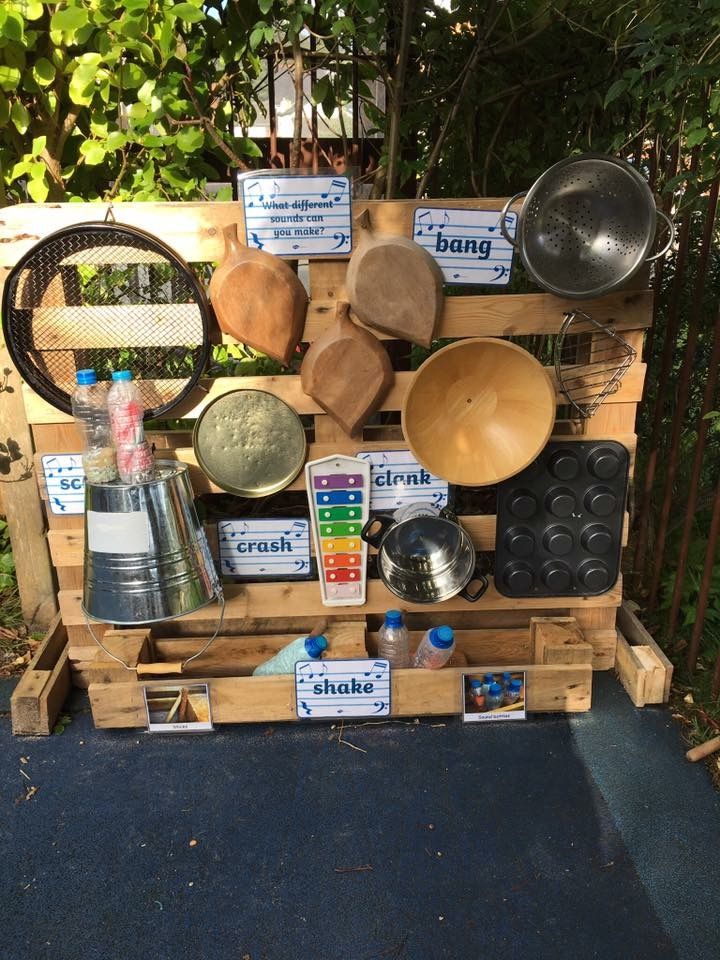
(630, 671)
(23, 508)
(559, 688)
(289, 389)
(506, 315)
(41, 692)
(635, 633)
(260, 600)
(202, 484)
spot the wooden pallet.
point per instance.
(284, 609)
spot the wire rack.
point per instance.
(590, 361)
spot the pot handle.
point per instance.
(472, 596)
(671, 228)
(503, 215)
(374, 539)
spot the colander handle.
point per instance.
(503, 215)
(671, 228)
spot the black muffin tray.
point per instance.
(560, 521)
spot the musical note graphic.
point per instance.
(302, 565)
(456, 276)
(306, 708)
(438, 498)
(299, 526)
(500, 271)
(378, 665)
(261, 196)
(380, 705)
(338, 185)
(431, 225)
(249, 189)
(341, 240)
(257, 241)
(60, 504)
(309, 671)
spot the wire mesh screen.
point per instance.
(106, 297)
(590, 361)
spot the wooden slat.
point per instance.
(202, 484)
(194, 229)
(67, 546)
(41, 692)
(260, 600)
(505, 315)
(289, 389)
(414, 693)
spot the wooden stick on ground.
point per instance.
(703, 750)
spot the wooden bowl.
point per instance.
(478, 411)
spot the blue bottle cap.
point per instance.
(507, 677)
(86, 378)
(475, 684)
(489, 678)
(442, 637)
(315, 646)
(393, 618)
(515, 685)
(495, 689)
(122, 375)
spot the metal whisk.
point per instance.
(590, 361)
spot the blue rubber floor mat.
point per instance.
(432, 840)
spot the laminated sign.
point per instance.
(298, 216)
(397, 479)
(269, 548)
(65, 481)
(467, 244)
(342, 688)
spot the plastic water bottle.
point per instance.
(435, 648)
(125, 407)
(488, 681)
(506, 678)
(476, 692)
(512, 692)
(494, 697)
(304, 648)
(394, 640)
(89, 407)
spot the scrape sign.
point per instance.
(467, 245)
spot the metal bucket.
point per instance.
(146, 555)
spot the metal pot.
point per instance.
(586, 226)
(426, 558)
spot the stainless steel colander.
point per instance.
(586, 226)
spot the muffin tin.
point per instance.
(560, 521)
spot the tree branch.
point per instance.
(398, 91)
(295, 147)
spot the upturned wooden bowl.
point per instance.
(478, 411)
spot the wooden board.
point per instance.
(259, 600)
(640, 671)
(67, 545)
(289, 389)
(43, 688)
(564, 689)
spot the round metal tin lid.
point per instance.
(250, 443)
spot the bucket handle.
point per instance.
(168, 668)
(671, 238)
(503, 227)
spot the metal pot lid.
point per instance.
(250, 443)
(424, 546)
